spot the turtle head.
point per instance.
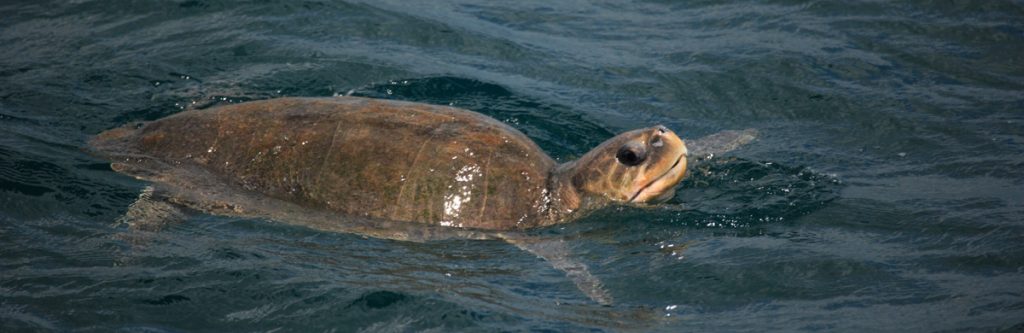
(639, 166)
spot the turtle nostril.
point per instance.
(656, 141)
(662, 129)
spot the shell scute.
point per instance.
(383, 159)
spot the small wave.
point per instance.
(733, 192)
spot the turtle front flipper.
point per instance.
(719, 143)
(556, 252)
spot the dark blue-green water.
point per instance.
(886, 192)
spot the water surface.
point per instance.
(884, 194)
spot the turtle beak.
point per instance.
(659, 181)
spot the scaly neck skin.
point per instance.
(566, 201)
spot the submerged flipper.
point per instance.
(719, 143)
(556, 252)
(143, 221)
(150, 212)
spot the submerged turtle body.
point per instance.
(398, 161)
(371, 167)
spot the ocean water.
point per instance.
(883, 194)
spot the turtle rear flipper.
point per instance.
(143, 222)
(556, 252)
(151, 212)
(153, 209)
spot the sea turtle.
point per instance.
(394, 169)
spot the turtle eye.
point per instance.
(630, 155)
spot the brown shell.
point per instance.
(363, 157)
